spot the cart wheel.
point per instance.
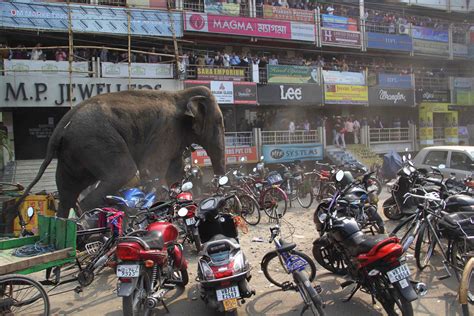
(85, 277)
(21, 295)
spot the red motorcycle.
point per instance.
(187, 215)
(150, 261)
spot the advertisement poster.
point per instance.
(282, 13)
(343, 77)
(339, 22)
(394, 81)
(451, 128)
(232, 155)
(389, 42)
(430, 47)
(434, 96)
(292, 74)
(290, 94)
(340, 38)
(345, 94)
(426, 126)
(430, 34)
(217, 7)
(291, 152)
(228, 92)
(391, 96)
(243, 26)
(221, 73)
(25, 67)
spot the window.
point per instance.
(436, 158)
(460, 161)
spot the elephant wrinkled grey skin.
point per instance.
(110, 137)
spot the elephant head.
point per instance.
(206, 124)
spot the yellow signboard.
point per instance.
(345, 94)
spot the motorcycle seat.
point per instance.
(362, 243)
(150, 241)
(222, 237)
(286, 246)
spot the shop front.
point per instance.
(438, 124)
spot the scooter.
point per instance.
(151, 261)
(223, 270)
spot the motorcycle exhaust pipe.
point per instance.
(421, 289)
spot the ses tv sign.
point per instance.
(232, 155)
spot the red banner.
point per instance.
(232, 155)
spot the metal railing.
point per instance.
(233, 73)
(287, 137)
(387, 28)
(239, 139)
(389, 135)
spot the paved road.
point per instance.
(100, 298)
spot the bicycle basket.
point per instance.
(274, 178)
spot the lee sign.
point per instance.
(232, 155)
(292, 152)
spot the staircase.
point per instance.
(24, 171)
(339, 156)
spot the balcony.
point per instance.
(221, 8)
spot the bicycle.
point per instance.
(296, 264)
(21, 295)
(466, 286)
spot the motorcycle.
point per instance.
(374, 262)
(150, 261)
(223, 269)
(192, 172)
(187, 215)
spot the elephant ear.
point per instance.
(196, 109)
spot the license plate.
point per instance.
(399, 273)
(227, 293)
(128, 271)
(230, 304)
(190, 221)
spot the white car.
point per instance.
(456, 160)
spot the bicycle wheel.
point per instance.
(424, 247)
(327, 191)
(273, 269)
(466, 287)
(457, 255)
(275, 202)
(304, 195)
(250, 209)
(405, 231)
(308, 293)
(21, 295)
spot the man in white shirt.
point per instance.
(273, 60)
(356, 131)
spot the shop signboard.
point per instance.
(394, 81)
(251, 27)
(463, 91)
(233, 154)
(217, 7)
(90, 19)
(40, 91)
(228, 92)
(460, 50)
(430, 34)
(137, 70)
(380, 96)
(430, 47)
(292, 74)
(343, 77)
(221, 73)
(431, 95)
(389, 42)
(340, 38)
(282, 13)
(290, 152)
(339, 22)
(26, 67)
(290, 94)
(345, 94)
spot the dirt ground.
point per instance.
(100, 298)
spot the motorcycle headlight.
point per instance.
(206, 270)
(194, 171)
(239, 263)
(187, 167)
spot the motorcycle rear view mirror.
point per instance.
(261, 158)
(409, 156)
(223, 180)
(182, 212)
(322, 217)
(404, 158)
(187, 186)
(339, 175)
(195, 161)
(441, 166)
(30, 211)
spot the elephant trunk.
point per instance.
(217, 154)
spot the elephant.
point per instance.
(112, 138)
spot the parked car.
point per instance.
(457, 160)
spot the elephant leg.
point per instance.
(175, 171)
(69, 188)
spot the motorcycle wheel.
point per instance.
(275, 273)
(183, 275)
(329, 258)
(309, 293)
(390, 209)
(136, 303)
(424, 247)
(392, 301)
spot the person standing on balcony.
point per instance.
(356, 131)
(226, 59)
(273, 60)
(104, 54)
(234, 60)
(37, 53)
(219, 60)
(60, 55)
(201, 61)
(209, 60)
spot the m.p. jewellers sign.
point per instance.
(39, 91)
(395, 97)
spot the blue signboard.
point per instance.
(291, 152)
(89, 19)
(429, 34)
(394, 81)
(389, 41)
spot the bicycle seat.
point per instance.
(286, 246)
(361, 243)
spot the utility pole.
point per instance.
(70, 50)
(129, 47)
